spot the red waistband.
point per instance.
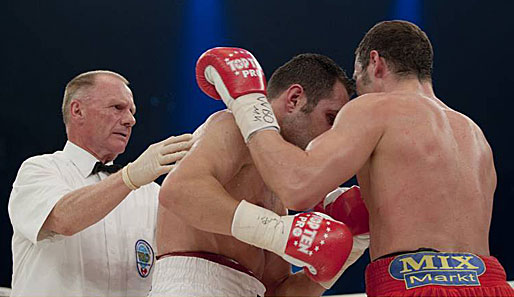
(380, 281)
(220, 259)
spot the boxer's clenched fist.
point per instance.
(235, 76)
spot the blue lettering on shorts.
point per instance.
(144, 257)
(432, 268)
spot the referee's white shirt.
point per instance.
(98, 261)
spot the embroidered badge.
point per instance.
(144, 257)
(431, 268)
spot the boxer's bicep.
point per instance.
(338, 154)
(351, 141)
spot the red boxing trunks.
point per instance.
(437, 274)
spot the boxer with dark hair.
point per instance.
(206, 247)
(426, 170)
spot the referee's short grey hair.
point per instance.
(80, 81)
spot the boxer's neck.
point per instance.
(408, 85)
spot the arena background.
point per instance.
(155, 44)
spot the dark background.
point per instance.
(155, 44)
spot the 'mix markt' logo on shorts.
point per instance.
(431, 268)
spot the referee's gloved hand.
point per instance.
(158, 159)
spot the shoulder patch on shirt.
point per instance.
(144, 257)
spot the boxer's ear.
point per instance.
(378, 64)
(295, 94)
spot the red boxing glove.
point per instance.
(235, 76)
(310, 240)
(238, 68)
(346, 205)
(321, 243)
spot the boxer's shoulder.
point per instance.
(369, 108)
(367, 102)
(220, 131)
(222, 124)
(223, 119)
(223, 115)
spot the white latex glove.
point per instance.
(158, 159)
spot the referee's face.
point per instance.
(109, 117)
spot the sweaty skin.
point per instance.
(426, 171)
(217, 171)
(430, 180)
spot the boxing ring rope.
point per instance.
(5, 292)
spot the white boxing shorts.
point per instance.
(195, 276)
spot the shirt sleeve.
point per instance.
(37, 188)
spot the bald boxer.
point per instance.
(208, 248)
(426, 171)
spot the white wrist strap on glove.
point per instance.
(260, 227)
(252, 112)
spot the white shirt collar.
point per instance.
(81, 158)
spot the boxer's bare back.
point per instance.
(430, 179)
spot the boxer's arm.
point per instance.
(194, 190)
(301, 178)
(280, 281)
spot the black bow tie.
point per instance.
(101, 167)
